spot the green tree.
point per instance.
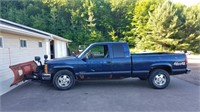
(94, 34)
(162, 28)
(103, 18)
(140, 19)
(121, 14)
(191, 29)
(144, 24)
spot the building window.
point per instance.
(40, 44)
(1, 42)
(23, 43)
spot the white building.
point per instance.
(19, 43)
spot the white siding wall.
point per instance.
(12, 53)
(64, 47)
(48, 49)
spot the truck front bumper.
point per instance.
(46, 76)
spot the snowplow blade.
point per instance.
(21, 70)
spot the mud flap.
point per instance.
(22, 70)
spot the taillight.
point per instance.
(46, 68)
(186, 60)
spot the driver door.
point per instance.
(97, 62)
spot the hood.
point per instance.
(62, 60)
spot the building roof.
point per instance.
(13, 27)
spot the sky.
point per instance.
(187, 2)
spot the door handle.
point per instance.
(108, 62)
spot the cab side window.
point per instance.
(98, 51)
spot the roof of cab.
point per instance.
(109, 42)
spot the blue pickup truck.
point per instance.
(109, 60)
(112, 60)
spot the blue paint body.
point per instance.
(130, 65)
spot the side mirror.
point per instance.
(84, 59)
(37, 58)
(73, 54)
(45, 57)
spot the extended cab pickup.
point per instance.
(112, 60)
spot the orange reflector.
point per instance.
(46, 68)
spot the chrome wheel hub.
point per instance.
(160, 80)
(64, 80)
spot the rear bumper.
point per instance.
(181, 71)
(187, 71)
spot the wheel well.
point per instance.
(166, 68)
(58, 69)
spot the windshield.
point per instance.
(83, 53)
(77, 52)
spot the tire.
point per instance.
(159, 79)
(143, 78)
(64, 80)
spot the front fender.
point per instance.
(63, 67)
(54, 69)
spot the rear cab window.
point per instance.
(118, 50)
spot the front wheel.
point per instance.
(159, 79)
(64, 80)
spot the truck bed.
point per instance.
(143, 62)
